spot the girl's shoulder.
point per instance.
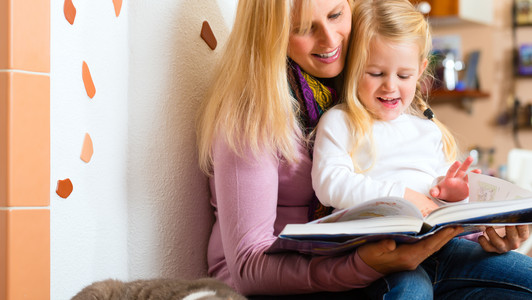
(420, 121)
(335, 114)
(421, 124)
(336, 111)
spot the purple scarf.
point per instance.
(314, 99)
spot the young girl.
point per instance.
(384, 141)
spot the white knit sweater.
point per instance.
(409, 153)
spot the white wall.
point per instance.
(139, 208)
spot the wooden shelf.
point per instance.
(523, 25)
(464, 99)
(440, 94)
(523, 75)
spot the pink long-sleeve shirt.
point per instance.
(254, 198)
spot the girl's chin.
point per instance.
(387, 116)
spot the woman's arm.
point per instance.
(246, 191)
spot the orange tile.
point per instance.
(25, 29)
(4, 163)
(27, 140)
(3, 254)
(25, 254)
(4, 34)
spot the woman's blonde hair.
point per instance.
(249, 103)
(396, 21)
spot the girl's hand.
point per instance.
(504, 239)
(454, 186)
(421, 201)
(387, 257)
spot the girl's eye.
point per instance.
(374, 74)
(403, 76)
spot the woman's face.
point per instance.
(322, 50)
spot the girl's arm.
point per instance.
(246, 191)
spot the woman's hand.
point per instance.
(504, 239)
(454, 186)
(387, 257)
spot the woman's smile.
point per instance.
(329, 57)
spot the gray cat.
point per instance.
(159, 289)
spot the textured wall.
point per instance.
(170, 70)
(139, 207)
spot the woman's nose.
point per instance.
(326, 37)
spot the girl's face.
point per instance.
(321, 52)
(388, 85)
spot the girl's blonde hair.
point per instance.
(396, 21)
(249, 103)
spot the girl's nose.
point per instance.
(389, 83)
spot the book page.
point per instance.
(349, 229)
(388, 206)
(483, 188)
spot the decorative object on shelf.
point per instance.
(424, 7)
(523, 12)
(447, 60)
(471, 76)
(524, 65)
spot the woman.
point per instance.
(253, 139)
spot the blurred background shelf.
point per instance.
(441, 94)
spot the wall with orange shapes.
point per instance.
(126, 86)
(89, 226)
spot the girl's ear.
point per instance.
(422, 67)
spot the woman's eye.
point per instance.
(335, 16)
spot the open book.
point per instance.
(492, 202)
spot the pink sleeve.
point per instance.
(472, 236)
(246, 193)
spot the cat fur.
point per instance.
(159, 289)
